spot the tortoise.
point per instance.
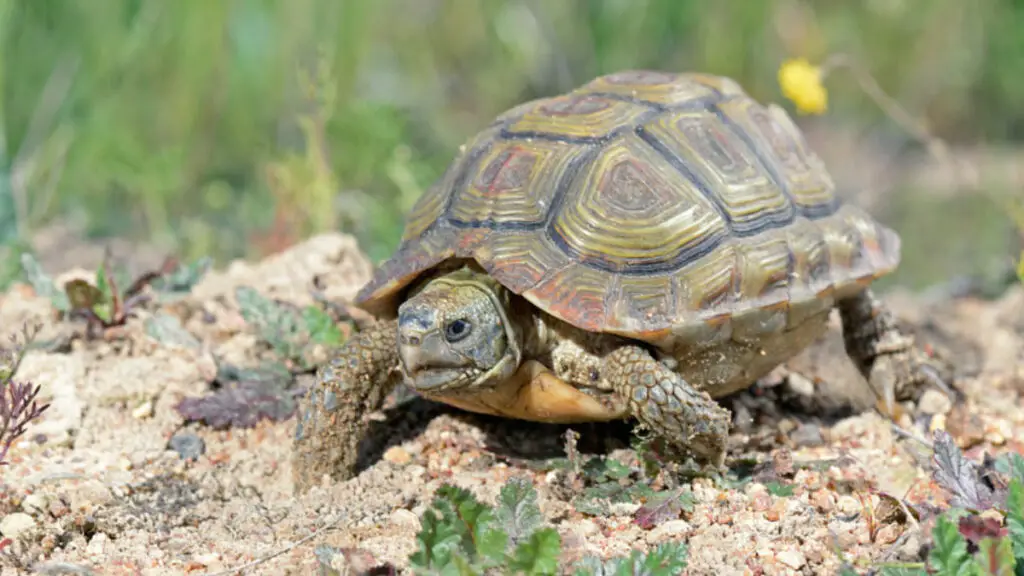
(638, 247)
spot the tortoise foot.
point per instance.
(332, 415)
(689, 421)
(894, 366)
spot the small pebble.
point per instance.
(848, 505)
(187, 445)
(398, 455)
(405, 518)
(934, 402)
(800, 384)
(35, 504)
(207, 559)
(792, 558)
(97, 543)
(668, 529)
(17, 524)
(807, 435)
(823, 500)
(143, 411)
(587, 527)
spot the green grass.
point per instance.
(232, 128)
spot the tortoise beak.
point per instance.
(427, 359)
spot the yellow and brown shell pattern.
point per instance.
(643, 203)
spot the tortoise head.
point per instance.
(456, 333)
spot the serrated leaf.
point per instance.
(668, 559)
(1011, 465)
(1015, 518)
(948, 556)
(538, 554)
(517, 512)
(277, 324)
(240, 405)
(472, 521)
(958, 475)
(43, 284)
(434, 544)
(995, 557)
(663, 507)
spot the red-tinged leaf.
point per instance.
(240, 405)
(663, 507)
(976, 528)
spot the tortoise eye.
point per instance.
(457, 330)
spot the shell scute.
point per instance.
(510, 184)
(522, 259)
(631, 212)
(576, 294)
(699, 142)
(641, 303)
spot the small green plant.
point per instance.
(112, 297)
(292, 332)
(460, 535)
(665, 560)
(18, 404)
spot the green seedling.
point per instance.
(292, 332)
(112, 297)
(461, 536)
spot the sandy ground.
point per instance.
(97, 486)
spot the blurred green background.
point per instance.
(233, 128)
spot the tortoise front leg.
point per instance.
(894, 367)
(332, 416)
(689, 420)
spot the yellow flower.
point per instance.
(801, 83)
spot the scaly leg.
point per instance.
(332, 416)
(894, 367)
(689, 420)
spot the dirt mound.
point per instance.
(114, 479)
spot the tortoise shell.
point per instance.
(643, 204)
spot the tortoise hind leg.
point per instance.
(689, 420)
(332, 415)
(895, 368)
